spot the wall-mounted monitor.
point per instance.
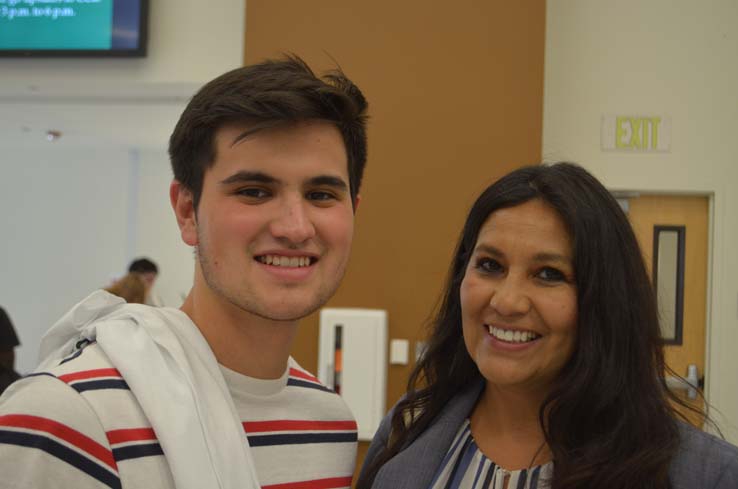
(73, 28)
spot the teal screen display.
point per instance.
(71, 25)
(56, 25)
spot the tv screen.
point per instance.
(73, 28)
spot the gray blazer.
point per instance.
(703, 462)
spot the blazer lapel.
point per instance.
(415, 466)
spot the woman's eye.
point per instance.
(488, 265)
(549, 274)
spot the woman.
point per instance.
(544, 367)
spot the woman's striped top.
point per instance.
(466, 467)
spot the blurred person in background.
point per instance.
(131, 287)
(147, 270)
(8, 342)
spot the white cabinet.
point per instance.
(352, 359)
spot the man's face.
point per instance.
(274, 224)
(148, 279)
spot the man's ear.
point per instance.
(357, 199)
(184, 209)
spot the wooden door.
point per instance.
(690, 212)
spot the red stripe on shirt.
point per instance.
(297, 425)
(90, 374)
(132, 434)
(64, 432)
(314, 484)
(302, 375)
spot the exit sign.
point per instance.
(635, 133)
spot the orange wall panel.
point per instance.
(455, 93)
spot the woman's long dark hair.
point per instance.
(608, 422)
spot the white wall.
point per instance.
(63, 222)
(72, 221)
(75, 212)
(156, 233)
(661, 57)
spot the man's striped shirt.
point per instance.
(79, 425)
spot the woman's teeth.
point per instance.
(512, 336)
(285, 261)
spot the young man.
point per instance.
(268, 161)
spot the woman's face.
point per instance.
(519, 297)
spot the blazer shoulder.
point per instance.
(704, 461)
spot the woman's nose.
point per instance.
(510, 298)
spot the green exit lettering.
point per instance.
(637, 132)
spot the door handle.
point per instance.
(691, 383)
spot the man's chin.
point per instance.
(271, 303)
(282, 312)
(285, 317)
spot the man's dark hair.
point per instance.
(264, 95)
(143, 265)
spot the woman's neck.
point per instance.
(505, 425)
(513, 411)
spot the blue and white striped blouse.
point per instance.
(466, 467)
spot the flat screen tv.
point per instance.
(73, 28)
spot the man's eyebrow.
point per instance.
(261, 177)
(330, 181)
(248, 176)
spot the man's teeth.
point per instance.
(285, 261)
(512, 336)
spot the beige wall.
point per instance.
(455, 97)
(662, 57)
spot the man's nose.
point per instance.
(293, 222)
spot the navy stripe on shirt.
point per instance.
(137, 451)
(310, 385)
(63, 453)
(300, 438)
(94, 385)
